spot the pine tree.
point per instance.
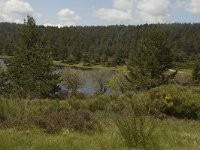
(196, 72)
(151, 59)
(30, 70)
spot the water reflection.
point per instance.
(91, 85)
(2, 63)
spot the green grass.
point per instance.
(5, 57)
(187, 71)
(80, 65)
(171, 135)
(36, 140)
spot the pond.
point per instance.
(90, 86)
(2, 63)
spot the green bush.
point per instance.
(177, 101)
(183, 79)
(41, 106)
(137, 132)
(76, 103)
(72, 80)
(11, 108)
(98, 103)
(110, 103)
(51, 123)
(78, 120)
(83, 121)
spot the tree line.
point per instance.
(106, 45)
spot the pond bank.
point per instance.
(92, 67)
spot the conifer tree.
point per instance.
(196, 72)
(150, 60)
(30, 69)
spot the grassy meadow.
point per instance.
(170, 134)
(89, 122)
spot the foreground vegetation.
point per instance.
(171, 134)
(104, 121)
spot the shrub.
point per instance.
(83, 121)
(76, 103)
(72, 80)
(52, 123)
(137, 132)
(11, 108)
(183, 79)
(98, 103)
(177, 101)
(41, 106)
(118, 82)
(110, 103)
(101, 79)
(79, 120)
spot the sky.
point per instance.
(100, 12)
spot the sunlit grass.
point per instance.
(171, 134)
(80, 65)
(35, 140)
(5, 57)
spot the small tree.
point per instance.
(71, 59)
(118, 82)
(72, 80)
(101, 78)
(196, 72)
(2, 80)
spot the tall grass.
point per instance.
(137, 132)
(12, 108)
(171, 134)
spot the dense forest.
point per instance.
(106, 45)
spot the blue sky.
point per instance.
(100, 12)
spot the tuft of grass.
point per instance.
(137, 132)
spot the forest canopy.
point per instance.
(106, 45)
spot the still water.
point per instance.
(90, 85)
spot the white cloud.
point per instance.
(15, 10)
(113, 15)
(120, 13)
(154, 7)
(123, 4)
(191, 6)
(67, 17)
(180, 4)
(194, 6)
(153, 11)
(17, 6)
(136, 11)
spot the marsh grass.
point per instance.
(171, 134)
(137, 132)
(121, 131)
(12, 108)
